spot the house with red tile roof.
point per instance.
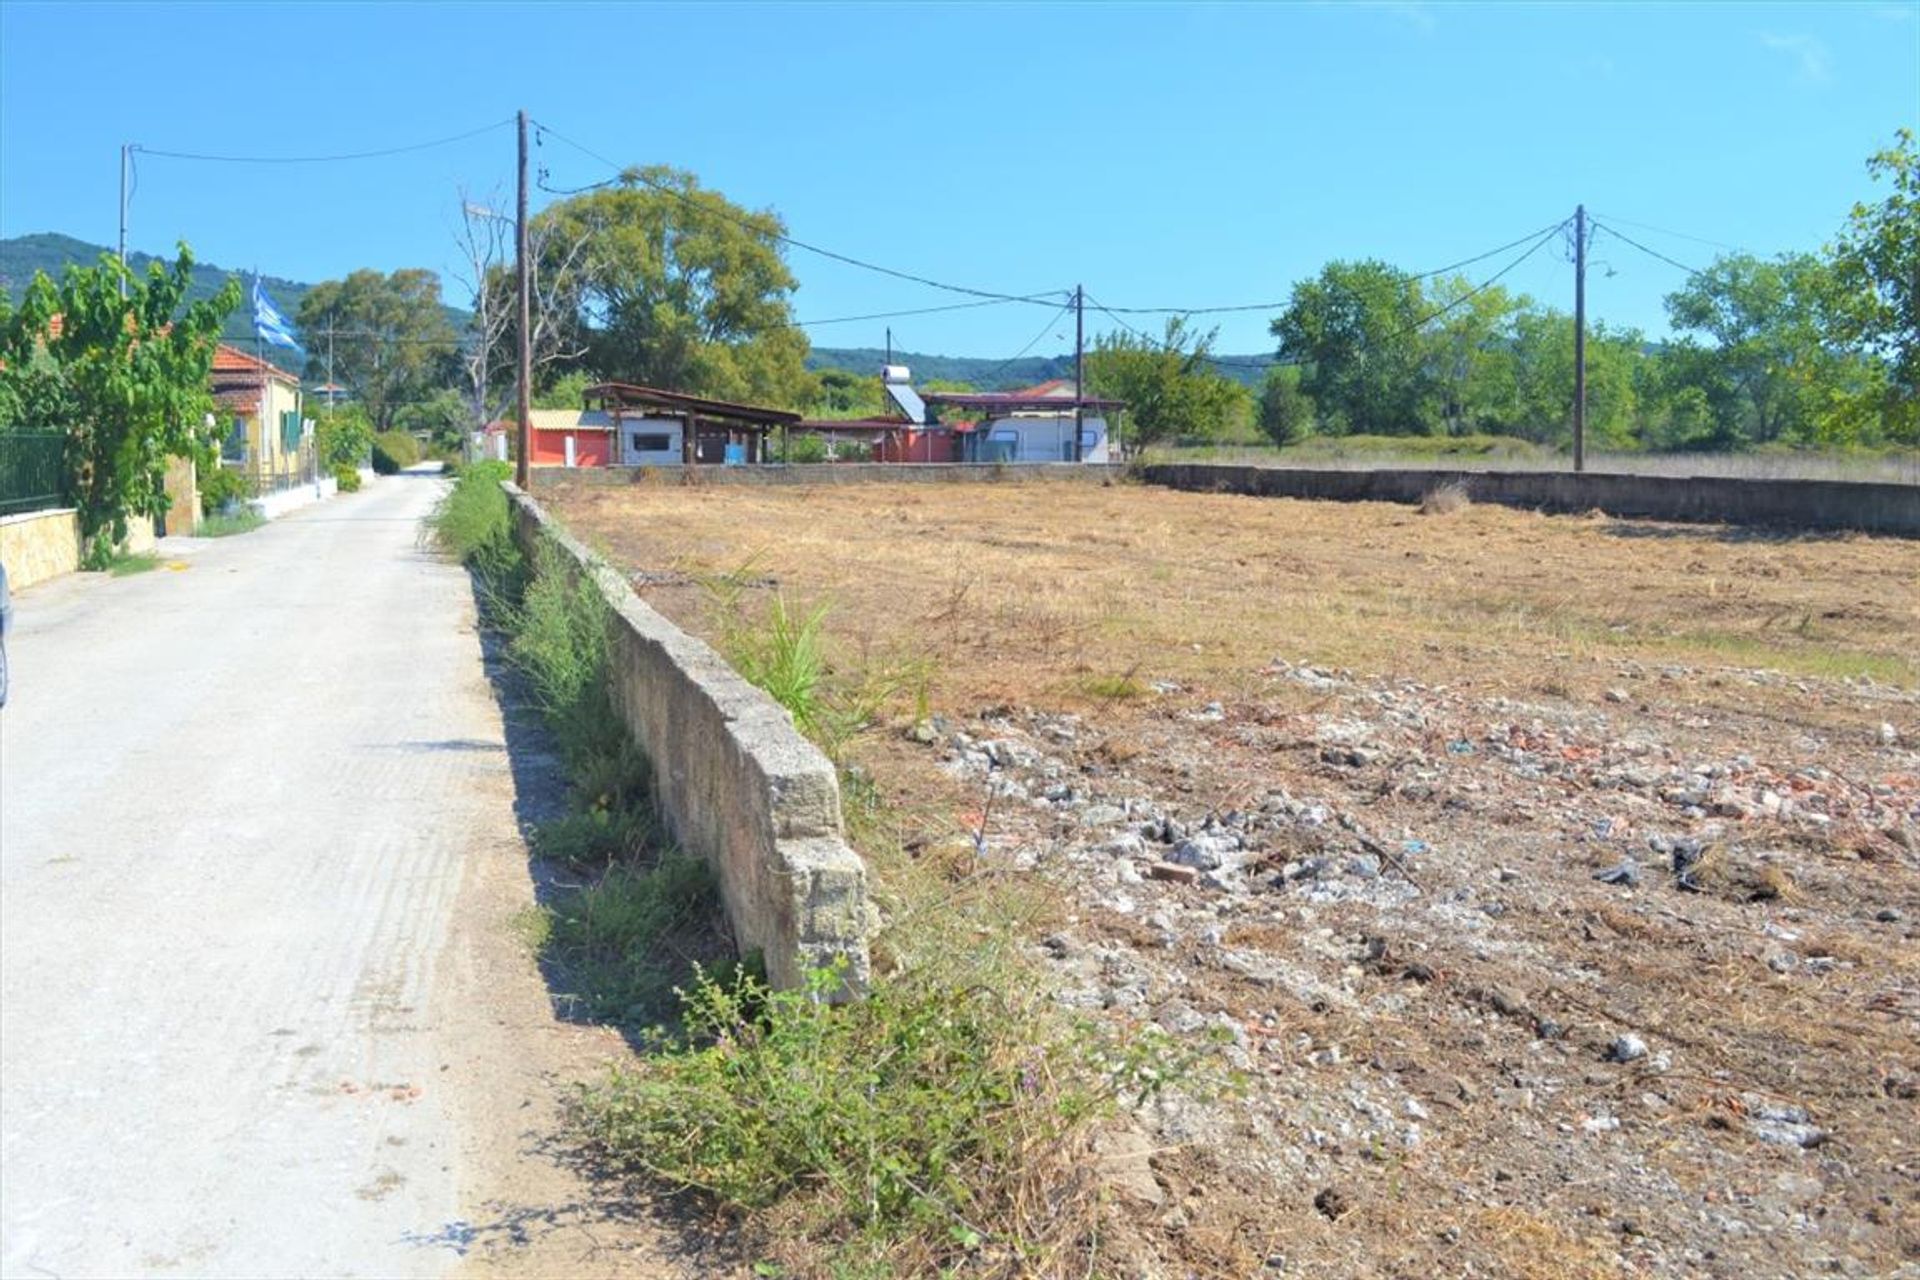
(257, 404)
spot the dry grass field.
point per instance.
(1557, 879)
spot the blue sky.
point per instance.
(1162, 155)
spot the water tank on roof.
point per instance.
(896, 373)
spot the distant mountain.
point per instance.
(51, 252)
(996, 375)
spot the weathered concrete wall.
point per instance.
(1795, 504)
(39, 545)
(183, 496)
(838, 473)
(735, 781)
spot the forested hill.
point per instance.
(995, 375)
(49, 251)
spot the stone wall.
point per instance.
(1792, 504)
(39, 545)
(735, 781)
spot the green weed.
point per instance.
(619, 942)
(243, 520)
(124, 564)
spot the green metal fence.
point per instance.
(30, 473)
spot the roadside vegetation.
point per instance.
(240, 520)
(943, 1123)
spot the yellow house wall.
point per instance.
(263, 433)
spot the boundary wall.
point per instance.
(734, 779)
(1837, 505)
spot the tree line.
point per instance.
(654, 279)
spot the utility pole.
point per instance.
(1079, 365)
(523, 434)
(125, 150)
(1580, 338)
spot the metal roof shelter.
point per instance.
(716, 430)
(1018, 402)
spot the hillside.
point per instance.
(51, 252)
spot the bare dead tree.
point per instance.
(485, 242)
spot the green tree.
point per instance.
(680, 288)
(1541, 350)
(1469, 348)
(443, 418)
(391, 341)
(1876, 267)
(846, 394)
(343, 435)
(1286, 412)
(126, 378)
(1767, 324)
(568, 391)
(1356, 330)
(1171, 389)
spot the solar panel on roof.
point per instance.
(909, 401)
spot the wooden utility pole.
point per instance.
(125, 150)
(1079, 364)
(1580, 338)
(523, 431)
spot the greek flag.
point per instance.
(272, 327)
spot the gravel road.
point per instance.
(238, 796)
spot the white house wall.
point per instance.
(632, 456)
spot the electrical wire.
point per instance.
(1678, 235)
(1283, 304)
(1415, 327)
(351, 155)
(1672, 262)
(1032, 342)
(916, 311)
(631, 174)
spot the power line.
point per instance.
(1415, 327)
(1032, 342)
(1283, 304)
(1678, 235)
(1672, 262)
(916, 311)
(632, 174)
(350, 155)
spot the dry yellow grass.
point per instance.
(1065, 592)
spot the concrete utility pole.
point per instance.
(1079, 364)
(523, 434)
(125, 156)
(1580, 338)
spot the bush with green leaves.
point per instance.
(344, 436)
(347, 478)
(223, 488)
(806, 449)
(944, 1114)
(394, 451)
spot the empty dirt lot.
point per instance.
(1556, 879)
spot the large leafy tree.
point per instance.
(391, 341)
(127, 379)
(1170, 386)
(1356, 330)
(1876, 267)
(1541, 353)
(679, 288)
(1768, 323)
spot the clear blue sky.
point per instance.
(1163, 155)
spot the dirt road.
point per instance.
(261, 1010)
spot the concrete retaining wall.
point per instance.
(1795, 504)
(735, 781)
(836, 473)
